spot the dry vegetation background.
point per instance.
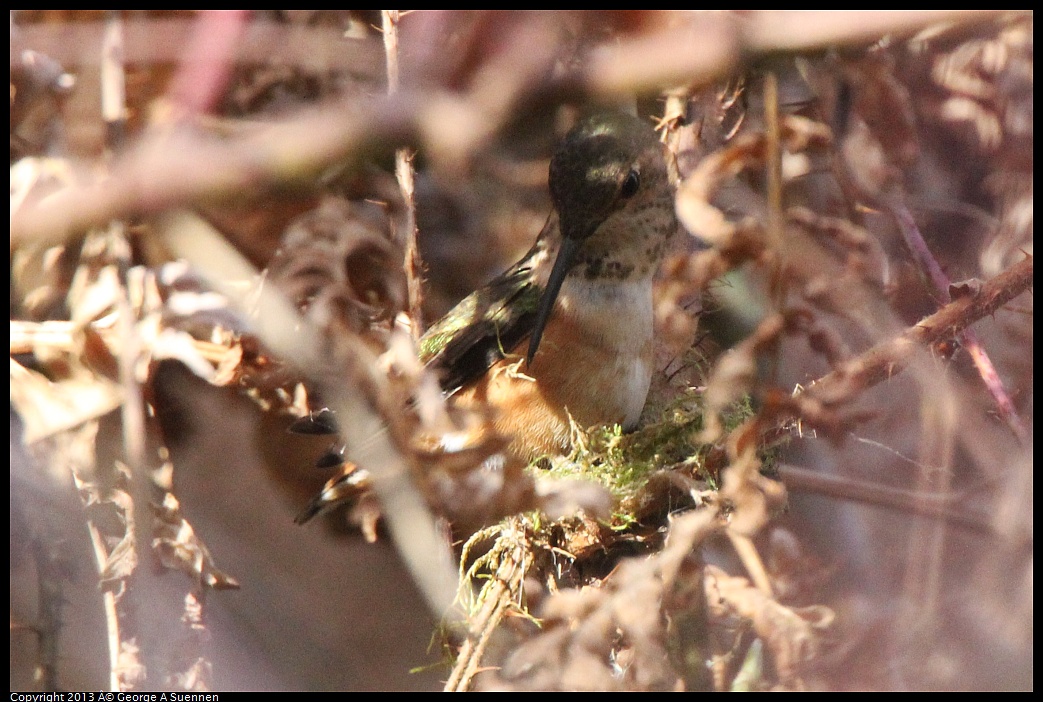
(832, 488)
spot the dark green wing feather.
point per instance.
(484, 327)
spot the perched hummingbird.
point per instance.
(567, 330)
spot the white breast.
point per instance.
(617, 317)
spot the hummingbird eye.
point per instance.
(630, 185)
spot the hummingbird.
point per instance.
(565, 334)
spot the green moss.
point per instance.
(624, 462)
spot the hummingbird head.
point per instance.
(610, 186)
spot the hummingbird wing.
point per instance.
(486, 326)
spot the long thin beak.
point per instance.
(566, 258)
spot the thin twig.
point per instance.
(112, 622)
(945, 506)
(773, 173)
(747, 552)
(888, 358)
(405, 176)
(497, 597)
(132, 410)
(113, 83)
(941, 284)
